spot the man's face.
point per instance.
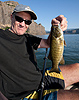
(20, 27)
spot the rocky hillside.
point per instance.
(37, 29)
(6, 9)
(72, 31)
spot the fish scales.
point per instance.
(56, 47)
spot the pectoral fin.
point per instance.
(64, 43)
(49, 56)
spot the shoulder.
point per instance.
(2, 32)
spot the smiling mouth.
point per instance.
(21, 26)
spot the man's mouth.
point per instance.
(21, 27)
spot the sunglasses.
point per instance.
(19, 19)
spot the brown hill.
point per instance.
(72, 31)
(6, 9)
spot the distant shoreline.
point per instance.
(68, 31)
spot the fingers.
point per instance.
(60, 19)
(64, 26)
(63, 21)
(55, 21)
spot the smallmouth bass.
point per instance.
(56, 47)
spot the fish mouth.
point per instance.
(56, 31)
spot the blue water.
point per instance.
(71, 51)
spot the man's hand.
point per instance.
(60, 19)
(45, 43)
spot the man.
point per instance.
(20, 78)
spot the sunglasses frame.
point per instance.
(20, 19)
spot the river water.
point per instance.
(71, 51)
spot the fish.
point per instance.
(56, 47)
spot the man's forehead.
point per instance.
(24, 14)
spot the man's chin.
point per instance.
(20, 32)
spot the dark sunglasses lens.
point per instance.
(28, 22)
(19, 19)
